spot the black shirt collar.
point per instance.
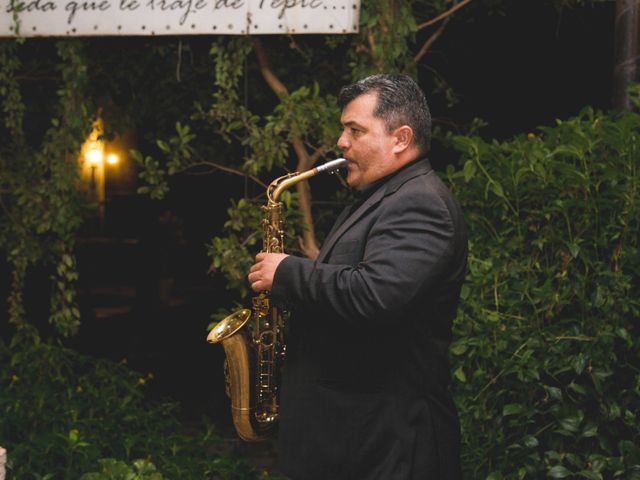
(368, 190)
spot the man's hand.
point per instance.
(261, 273)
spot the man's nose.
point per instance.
(342, 142)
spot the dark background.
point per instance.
(145, 294)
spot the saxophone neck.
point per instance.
(273, 234)
(279, 185)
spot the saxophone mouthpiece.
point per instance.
(332, 165)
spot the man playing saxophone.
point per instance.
(365, 383)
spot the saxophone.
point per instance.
(255, 350)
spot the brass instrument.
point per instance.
(255, 350)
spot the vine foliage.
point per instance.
(39, 195)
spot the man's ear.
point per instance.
(404, 138)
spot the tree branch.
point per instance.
(444, 15)
(430, 41)
(225, 169)
(316, 155)
(274, 82)
(372, 50)
(308, 243)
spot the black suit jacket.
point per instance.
(365, 382)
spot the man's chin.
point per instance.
(353, 181)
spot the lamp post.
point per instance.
(94, 157)
(100, 157)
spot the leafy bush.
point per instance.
(547, 356)
(63, 414)
(117, 470)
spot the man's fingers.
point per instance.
(261, 273)
(259, 258)
(253, 276)
(255, 280)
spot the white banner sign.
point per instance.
(176, 17)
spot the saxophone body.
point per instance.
(253, 340)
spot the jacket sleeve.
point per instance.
(407, 252)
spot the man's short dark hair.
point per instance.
(400, 102)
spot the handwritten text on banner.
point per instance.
(177, 17)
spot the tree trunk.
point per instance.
(626, 43)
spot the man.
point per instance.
(365, 382)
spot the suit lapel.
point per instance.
(339, 221)
(332, 238)
(419, 168)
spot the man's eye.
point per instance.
(354, 131)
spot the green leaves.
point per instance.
(570, 424)
(387, 30)
(459, 374)
(70, 416)
(543, 334)
(41, 203)
(512, 409)
(469, 170)
(179, 157)
(153, 174)
(558, 472)
(10, 96)
(112, 469)
(64, 311)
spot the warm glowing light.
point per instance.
(94, 155)
(113, 159)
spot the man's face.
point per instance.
(365, 142)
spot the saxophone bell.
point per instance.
(229, 325)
